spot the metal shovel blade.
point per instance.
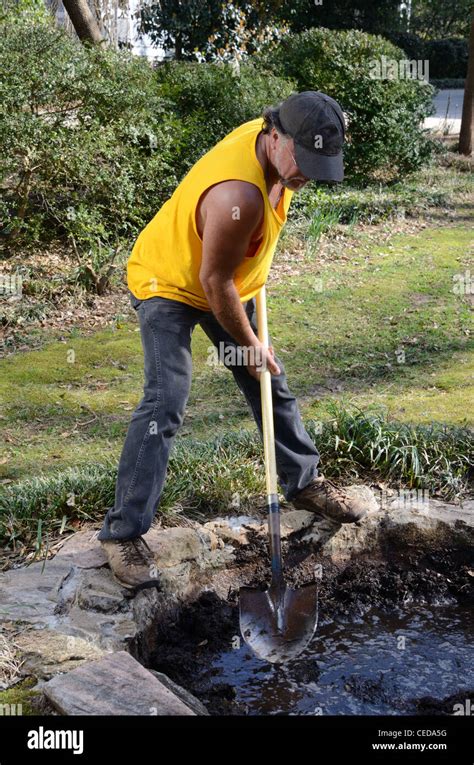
(278, 623)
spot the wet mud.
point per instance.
(353, 665)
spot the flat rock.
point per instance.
(174, 545)
(116, 684)
(46, 652)
(401, 522)
(293, 521)
(110, 632)
(100, 591)
(364, 493)
(83, 549)
(31, 593)
(227, 533)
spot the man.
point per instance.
(202, 259)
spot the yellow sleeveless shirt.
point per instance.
(166, 257)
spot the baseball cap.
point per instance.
(316, 123)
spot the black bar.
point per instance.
(133, 739)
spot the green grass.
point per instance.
(60, 409)
(352, 444)
(388, 305)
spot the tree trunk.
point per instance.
(467, 121)
(83, 20)
(178, 46)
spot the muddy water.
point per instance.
(412, 661)
(394, 637)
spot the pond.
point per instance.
(394, 635)
(380, 663)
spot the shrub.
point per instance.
(447, 57)
(210, 100)
(93, 141)
(385, 137)
(413, 45)
(86, 144)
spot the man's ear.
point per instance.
(275, 139)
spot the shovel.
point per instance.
(277, 623)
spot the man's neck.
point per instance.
(269, 171)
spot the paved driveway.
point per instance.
(447, 117)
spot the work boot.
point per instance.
(323, 497)
(132, 562)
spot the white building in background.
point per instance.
(119, 24)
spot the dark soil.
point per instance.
(186, 646)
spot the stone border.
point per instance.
(68, 614)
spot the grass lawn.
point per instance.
(365, 323)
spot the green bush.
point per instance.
(210, 100)
(93, 141)
(447, 57)
(413, 45)
(385, 139)
(86, 144)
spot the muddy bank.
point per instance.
(443, 575)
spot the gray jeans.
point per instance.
(166, 328)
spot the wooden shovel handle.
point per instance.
(267, 404)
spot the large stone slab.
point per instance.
(99, 591)
(31, 593)
(171, 547)
(46, 652)
(177, 545)
(114, 685)
(186, 697)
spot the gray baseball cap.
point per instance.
(316, 123)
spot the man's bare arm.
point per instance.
(231, 212)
